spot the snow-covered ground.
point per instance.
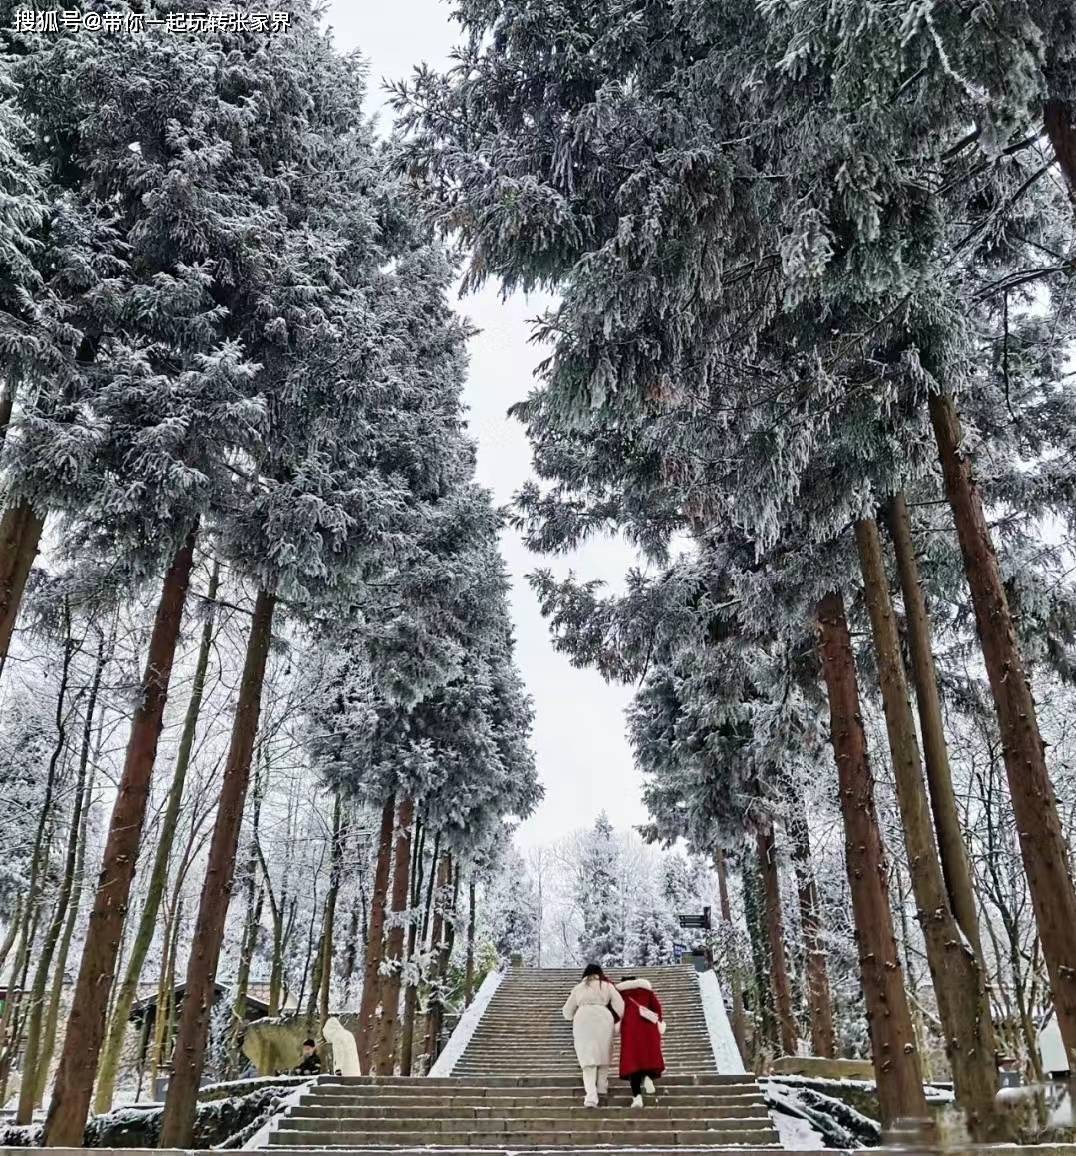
(726, 1053)
(796, 1135)
(461, 1037)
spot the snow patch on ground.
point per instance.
(797, 1135)
(465, 1029)
(726, 1053)
(260, 1139)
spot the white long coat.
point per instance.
(592, 1021)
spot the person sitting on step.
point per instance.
(641, 1029)
(310, 1064)
(590, 1009)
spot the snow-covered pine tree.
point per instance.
(598, 891)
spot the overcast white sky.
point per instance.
(583, 755)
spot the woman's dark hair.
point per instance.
(309, 1044)
(594, 969)
(626, 978)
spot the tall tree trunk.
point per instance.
(407, 1027)
(158, 876)
(954, 857)
(36, 1011)
(86, 1025)
(893, 1050)
(166, 986)
(739, 1021)
(336, 854)
(385, 1050)
(20, 536)
(468, 972)
(436, 1014)
(177, 1122)
(10, 1022)
(775, 932)
(1042, 843)
(959, 983)
(375, 944)
(252, 921)
(7, 403)
(1060, 122)
(823, 1042)
(59, 974)
(437, 933)
(764, 1022)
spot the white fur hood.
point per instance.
(634, 985)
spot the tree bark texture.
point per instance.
(385, 1047)
(158, 876)
(468, 971)
(959, 984)
(823, 1037)
(893, 1050)
(1059, 118)
(951, 848)
(20, 535)
(739, 1020)
(1042, 842)
(788, 1033)
(46, 950)
(375, 943)
(177, 1123)
(336, 854)
(87, 1022)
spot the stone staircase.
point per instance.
(516, 1087)
(523, 1032)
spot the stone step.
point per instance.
(509, 1098)
(628, 1138)
(557, 1110)
(587, 1119)
(554, 1150)
(422, 1083)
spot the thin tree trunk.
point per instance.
(375, 944)
(407, 1027)
(775, 931)
(31, 1054)
(20, 536)
(435, 1000)
(60, 971)
(7, 404)
(158, 876)
(468, 972)
(166, 991)
(12, 933)
(251, 926)
(73, 1088)
(818, 993)
(336, 854)
(764, 1022)
(1042, 842)
(951, 848)
(10, 1021)
(739, 1019)
(177, 1122)
(436, 1016)
(385, 1051)
(896, 1060)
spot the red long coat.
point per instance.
(640, 1040)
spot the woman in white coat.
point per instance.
(590, 1009)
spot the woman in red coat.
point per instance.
(641, 1029)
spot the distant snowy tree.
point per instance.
(598, 894)
(514, 911)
